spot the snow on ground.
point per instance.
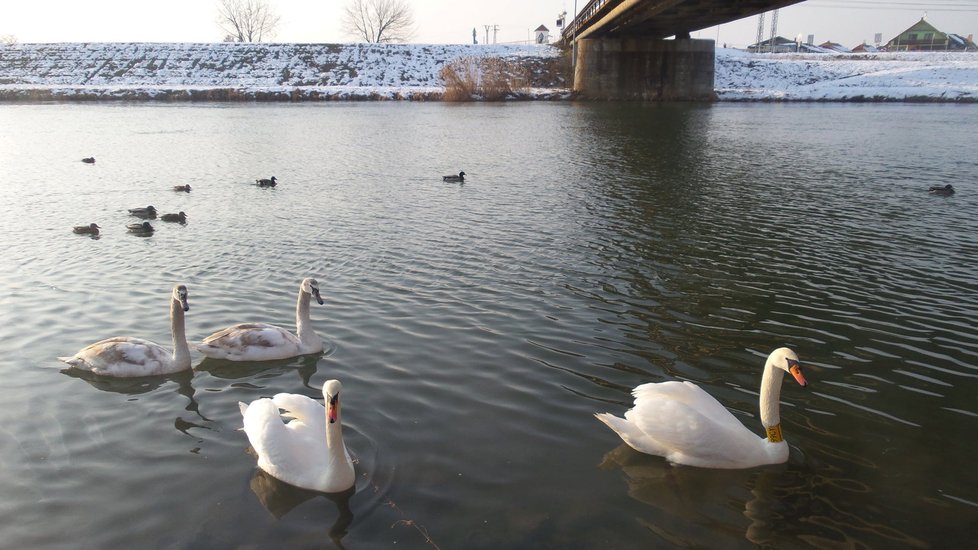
(230, 71)
(896, 76)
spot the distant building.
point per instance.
(865, 48)
(542, 35)
(924, 37)
(834, 47)
(785, 45)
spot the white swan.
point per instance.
(686, 425)
(264, 342)
(124, 356)
(308, 452)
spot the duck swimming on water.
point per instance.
(266, 183)
(939, 190)
(141, 228)
(182, 188)
(460, 178)
(89, 160)
(91, 229)
(181, 217)
(147, 213)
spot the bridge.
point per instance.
(621, 51)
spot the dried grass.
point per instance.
(484, 79)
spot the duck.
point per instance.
(266, 183)
(90, 229)
(686, 425)
(89, 160)
(265, 342)
(182, 188)
(453, 178)
(308, 451)
(141, 228)
(181, 217)
(147, 213)
(941, 190)
(126, 357)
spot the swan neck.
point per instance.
(771, 396)
(334, 439)
(302, 322)
(181, 351)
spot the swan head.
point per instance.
(787, 360)
(311, 286)
(331, 392)
(180, 296)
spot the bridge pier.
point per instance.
(646, 69)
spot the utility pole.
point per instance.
(774, 28)
(760, 32)
(495, 29)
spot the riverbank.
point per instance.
(321, 72)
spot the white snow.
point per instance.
(411, 71)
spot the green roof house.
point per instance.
(922, 36)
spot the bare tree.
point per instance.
(379, 20)
(246, 20)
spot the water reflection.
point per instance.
(280, 498)
(305, 366)
(145, 384)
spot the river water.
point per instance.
(477, 327)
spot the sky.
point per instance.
(848, 22)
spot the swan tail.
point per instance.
(631, 434)
(243, 407)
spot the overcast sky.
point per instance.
(849, 22)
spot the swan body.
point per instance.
(265, 342)
(944, 190)
(266, 182)
(182, 188)
(91, 229)
(686, 425)
(181, 217)
(146, 213)
(453, 178)
(308, 451)
(144, 228)
(124, 356)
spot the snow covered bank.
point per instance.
(234, 71)
(897, 76)
(294, 72)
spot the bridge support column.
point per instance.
(645, 69)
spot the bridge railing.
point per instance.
(582, 17)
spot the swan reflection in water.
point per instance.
(304, 365)
(685, 497)
(280, 498)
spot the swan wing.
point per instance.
(123, 356)
(307, 416)
(282, 452)
(250, 341)
(690, 427)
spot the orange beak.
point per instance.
(795, 371)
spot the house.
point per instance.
(781, 45)
(834, 47)
(924, 37)
(865, 48)
(542, 35)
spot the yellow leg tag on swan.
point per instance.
(774, 434)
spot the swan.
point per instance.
(182, 188)
(264, 342)
(124, 356)
(453, 178)
(148, 212)
(684, 424)
(181, 217)
(144, 228)
(308, 452)
(266, 183)
(91, 229)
